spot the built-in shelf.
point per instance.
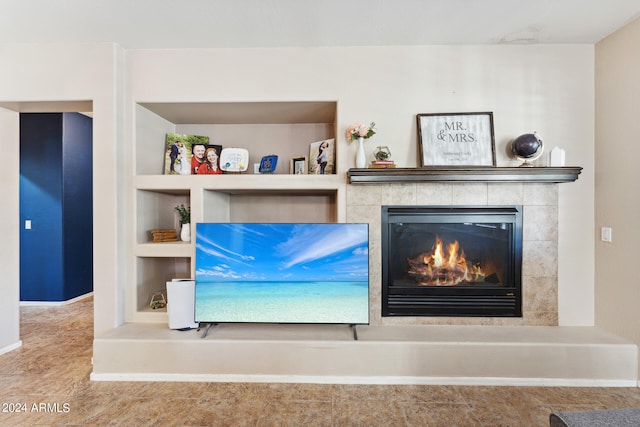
(263, 128)
(464, 174)
(163, 249)
(231, 183)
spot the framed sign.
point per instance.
(268, 164)
(234, 159)
(456, 139)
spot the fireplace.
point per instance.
(452, 261)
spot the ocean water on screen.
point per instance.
(282, 302)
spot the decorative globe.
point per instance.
(527, 147)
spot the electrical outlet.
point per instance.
(605, 234)
(27, 224)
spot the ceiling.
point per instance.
(154, 24)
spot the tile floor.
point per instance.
(46, 382)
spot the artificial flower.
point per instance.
(359, 130)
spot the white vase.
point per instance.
(185, 232)
(360, 158)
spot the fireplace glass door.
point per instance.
(451, 261)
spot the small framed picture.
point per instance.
(456, 139)
(298, 166)
(322, 157)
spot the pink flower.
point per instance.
(350, 130)
(358, 130)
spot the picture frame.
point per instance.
(456, 139)
(322, 157)
(299, 165)
(178, 151)
(203, 165)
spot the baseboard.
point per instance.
(11, 347)
(465, 381)
(54, 303)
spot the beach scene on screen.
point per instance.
(282, 273)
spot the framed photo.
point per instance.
(456, 139)
(298, 166)
(322, 157)
(178, 152)
(206, 159)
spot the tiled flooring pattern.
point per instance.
(48, 381)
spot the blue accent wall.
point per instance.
(56, 254)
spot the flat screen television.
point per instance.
(282, 273)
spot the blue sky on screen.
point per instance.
(272, 252)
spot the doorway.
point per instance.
(56, 207)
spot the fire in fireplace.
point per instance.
(438, 267)
(451, 261)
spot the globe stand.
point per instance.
(528, 163)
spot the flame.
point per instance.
(437, 256)
(436, 268)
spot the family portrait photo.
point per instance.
(184, 153)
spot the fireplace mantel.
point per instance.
(464, 174)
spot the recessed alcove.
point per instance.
(263, 128)
(153, 272)
(278, 206)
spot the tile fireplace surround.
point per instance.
(540, 240)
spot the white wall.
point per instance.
(35, 74)
(544, 88)
(9, 229)
(617, 201)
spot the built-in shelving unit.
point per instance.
(263, 128)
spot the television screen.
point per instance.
(282, 273)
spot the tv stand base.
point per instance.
(206, 331)
(207, 326)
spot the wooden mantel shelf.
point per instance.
(464, 174)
